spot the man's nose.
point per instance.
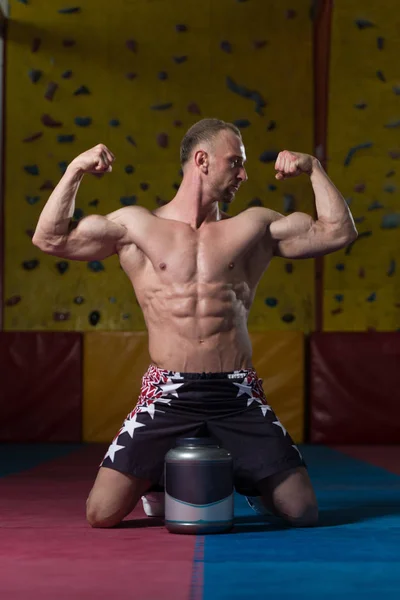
(242, 175)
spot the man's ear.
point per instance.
(202, 161)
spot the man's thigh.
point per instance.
(113, 496)
(290, 495)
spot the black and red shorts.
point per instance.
(229, 407)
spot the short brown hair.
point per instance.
(203, 131)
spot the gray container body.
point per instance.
(198, 488)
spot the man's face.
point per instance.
(226, 165)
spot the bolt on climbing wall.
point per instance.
(362, 284)
(134, 76)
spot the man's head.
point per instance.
(215, 149)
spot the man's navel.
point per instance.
(162, 266)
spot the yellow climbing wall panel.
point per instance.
(362, 283)
(135, 75)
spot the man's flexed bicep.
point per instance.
(93, 238)
(299, 236)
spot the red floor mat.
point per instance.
(49, 552)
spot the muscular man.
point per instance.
(195, 272)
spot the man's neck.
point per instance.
(192, 206)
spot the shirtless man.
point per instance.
(195, 272)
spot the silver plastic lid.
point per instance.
(197, 442)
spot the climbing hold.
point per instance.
(355, 149)
(271, 126)
(114, 123)
(47, 185)
(288, 318)
(33, 137)
(390, 188)
(66, 74)
(51, 90)
(79, 300)
(35, 44)
(255, 202)
(336, 311)
(390, 173)
(395, 154)
(144, 186)
(371, 297)
(393, 124)
(339, 297)
(194, 109)
(289, 268)
(94, 202)
(359, 187)
(68, 43)
(271, 187)
(78, 214)
(164, 106)
(128, 200)
(31, 169)
(131, 75)
(32, 199)
(291, 13)
(392, 268)
(246, 93)
(363, 23)
(271, 302)
(62, 266)
(82, 90)
(390, 221)
(94, 317)
(380, 76)
(361, 273)
(375, 205)
(162, 140)
(258, 44)
(340, 267)
(181, 28)
(13, 300)
(180, 59)
(83, 121)
(35, 75)
(226, 46)
(289, 203)
(396, 90)
(61, 316)
(130, 139)
(48, 121)
(63, 166)
(131, 45)
(112, 300)
(242, 123)
(129, 169)
(268, 156)
(96, 266)
(29, 265)
(177, 123)
(361, 105)
(162, 75)
(69, 10)
(65, 139)
(176, 186)
(380, 42)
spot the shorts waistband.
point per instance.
(237, 374)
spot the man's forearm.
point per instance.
(331, 207)
(55, 218)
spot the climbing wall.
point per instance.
(362, 283)
(135, 75)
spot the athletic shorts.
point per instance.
(231, 408)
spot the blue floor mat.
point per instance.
(353, 553)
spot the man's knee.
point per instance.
(303, 516)
(97, 517)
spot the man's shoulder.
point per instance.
(267, 215)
